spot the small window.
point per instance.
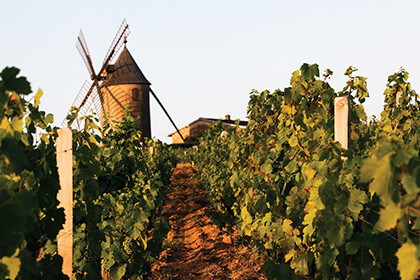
(135, 94)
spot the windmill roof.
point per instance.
(126, 71)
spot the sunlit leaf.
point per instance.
(408, 263)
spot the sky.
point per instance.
(204, 58)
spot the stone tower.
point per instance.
(126, 87)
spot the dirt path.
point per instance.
(196, 249)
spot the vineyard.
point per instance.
(118, 187)
(312, 209)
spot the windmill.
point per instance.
(115, 87)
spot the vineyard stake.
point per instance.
(65, 196)
(398, 96)
(342, 121)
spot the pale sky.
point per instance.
(204, 57)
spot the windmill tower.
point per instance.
(125, 86)
(116, 86)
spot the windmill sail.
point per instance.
(86, 103)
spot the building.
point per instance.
(195, 129)
(126, 87)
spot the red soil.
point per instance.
(195, 247)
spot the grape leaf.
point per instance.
(13, 264)
(380, 171)
(37, 98)
(277, 271)
(357, 199)
(409, 183)
(293, 141)
(389, 216)
(408, 263)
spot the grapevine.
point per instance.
(30, 218)
(313, 209)
(118, 187)
(119, 184)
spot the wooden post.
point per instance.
(65, 196)
(398, 96)
(342, 121)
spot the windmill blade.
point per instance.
(93, 103)
(84, 98)
(116, 45)
(84, 109)
(84, 52)
(79, 99)
(88, 93)
(97, 103)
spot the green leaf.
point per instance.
(403, 156)
(293, 141)
(339, 229)
(380, 171)
(9, 73)
(246, 220)
(360, 111)
(309, 72)
(361, 86)
(409, 183)
(350, 70)
(308, 172)
(137, 230)
(267, 168)
(326, 260)
(277, 271)
(38, 96)
(15, 153)
(352, 247)
(49, 118)
(13, 264)
(389, 216)
(417, 224)
(328, 73)
(118, 273)
(260, 206)
(16, 124)
(408, 263)
(299, 264)
(12, 83)
(357, 199)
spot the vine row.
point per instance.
(315, 210)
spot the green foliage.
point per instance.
(30, 218)
(119, 183)
(183, 153)
(408, 261)
(313, 209)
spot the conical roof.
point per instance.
(126, 71)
